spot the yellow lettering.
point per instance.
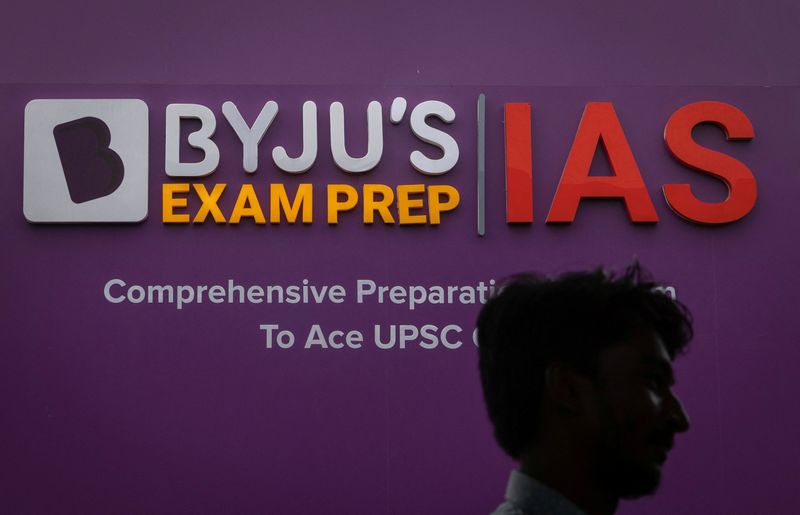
(435, 203)
(371, 205)
(209, 203)
(169, 203)
(335, 205)
(379, 202)
(405, 204)
(247, 205)
(279, 202)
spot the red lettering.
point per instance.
(519, 172)
(600, 124)
(742, 188)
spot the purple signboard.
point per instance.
(189, 364)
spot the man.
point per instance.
(577, 377)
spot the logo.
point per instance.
(85, 161)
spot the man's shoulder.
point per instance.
(508, 508)
(527, 496)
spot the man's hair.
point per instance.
(534, 321)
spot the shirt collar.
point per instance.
(533, 496)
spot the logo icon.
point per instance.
(92, 170)
(85, 161)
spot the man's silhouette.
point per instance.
(577, 377)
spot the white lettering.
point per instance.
(250, 136)
(200, 139)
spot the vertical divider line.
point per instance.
(481, 164)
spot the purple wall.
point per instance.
(146, 409)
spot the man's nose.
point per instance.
(678, 419)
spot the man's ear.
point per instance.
(565, 387)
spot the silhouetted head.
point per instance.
(587, 357)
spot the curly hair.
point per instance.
(533, 321)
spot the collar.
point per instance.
(532, 496)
